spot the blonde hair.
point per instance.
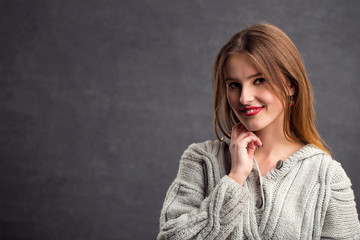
(276, 57)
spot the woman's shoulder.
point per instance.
(208, 148)
(201, 163)
(332, 167)
(314, 157)
(310, 151)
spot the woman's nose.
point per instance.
(247, 96)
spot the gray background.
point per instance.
(99, 99)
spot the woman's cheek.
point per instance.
(268, 97)
(233, 99)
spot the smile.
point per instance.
(250, 111)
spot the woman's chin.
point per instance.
(252, 128)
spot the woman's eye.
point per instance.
(259, 81)
(234, 85)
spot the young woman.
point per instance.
(270, 175)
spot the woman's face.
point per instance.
(251, 97)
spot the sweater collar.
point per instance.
(305, 152)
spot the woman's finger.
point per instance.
(258, 142)
(237, 130)
(245, 134)
(246, 140)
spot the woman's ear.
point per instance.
(290, 88)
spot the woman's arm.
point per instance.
(341, 219)
(188, 214)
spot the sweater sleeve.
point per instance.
(190, 213)
(341, 219)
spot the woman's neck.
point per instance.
(275, 146)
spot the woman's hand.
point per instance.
(242, 147)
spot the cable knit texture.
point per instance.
(308, 197)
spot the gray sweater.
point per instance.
(307, 196)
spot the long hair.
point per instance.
(277, 58)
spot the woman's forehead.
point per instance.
(240, 65)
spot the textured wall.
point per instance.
(100, 98)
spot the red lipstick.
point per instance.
(251, 111)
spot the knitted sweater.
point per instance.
(309, 196)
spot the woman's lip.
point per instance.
(250, 111)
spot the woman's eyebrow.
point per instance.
(249, 77)
(254, 75)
